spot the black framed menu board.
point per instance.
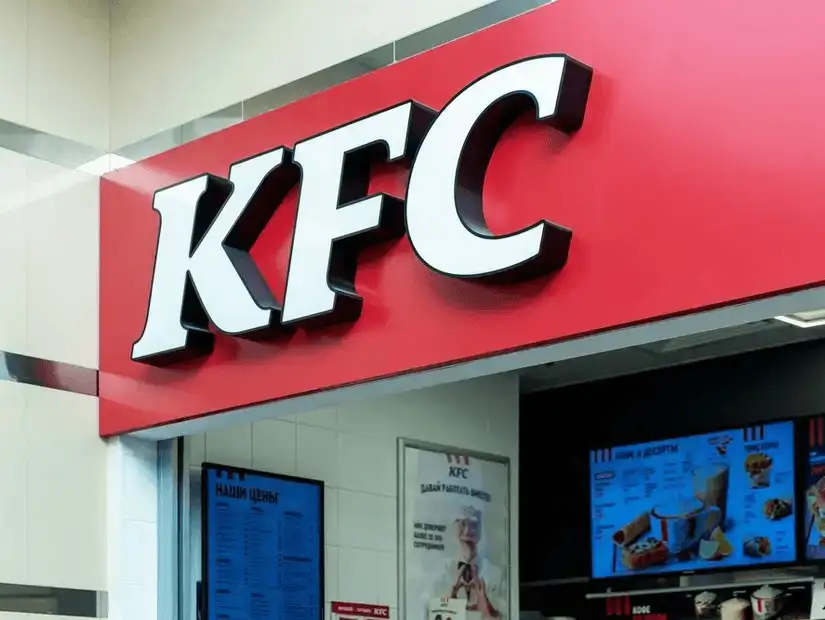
(719, 500)
(263, 546)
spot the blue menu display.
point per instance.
(815, 491)
(719, 500)
(262, 546)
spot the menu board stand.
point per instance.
(263, 546)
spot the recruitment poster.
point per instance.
(455, 530)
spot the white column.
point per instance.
(132, 529)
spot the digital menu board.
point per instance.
(719, 500)
(263, 546)
(815, 491)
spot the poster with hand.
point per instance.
(456, 532)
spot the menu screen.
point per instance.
(815, 491)
(718, 500)
(263, 546)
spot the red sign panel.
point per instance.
(695, 180)
(360, 610)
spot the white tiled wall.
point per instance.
(208, 54)
(132, 518)
(107, 73)
(49, 257)
(54, 67)
(52, 461)
(353, 450)
(52, 489)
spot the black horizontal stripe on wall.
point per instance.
(25, 599)
(48, 373)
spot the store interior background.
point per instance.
(756, 372)
(545, 419)
(353, 450)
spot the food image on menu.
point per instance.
(716, 547)
(644, 553)
(709, 550)
(630, 532)
(775, 509)
(758, 466)
(696, 502)
(757, 547)
(683, 525)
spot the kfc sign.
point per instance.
(672, 203)
(359, 611)
(203, 270)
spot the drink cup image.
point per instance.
(680, 524)
(710, 485)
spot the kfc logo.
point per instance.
(203, 271)
(359, 611)
(459, 472)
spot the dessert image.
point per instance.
(644, 553)
(757, 547)
(776, 509)
(758, 467)
(705, 604)
(709, 550)
(632, 530)
(716, 547)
